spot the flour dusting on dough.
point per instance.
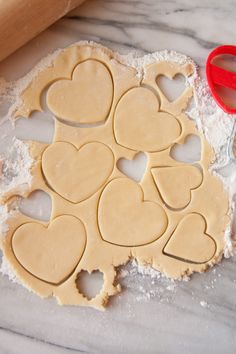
(216, 125)
(15, 169)
(15, 173)
(6, 269)
(4, 215)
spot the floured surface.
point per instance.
(207, 196)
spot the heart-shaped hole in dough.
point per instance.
(172, 88)
(38, 205)
(40, 127)
(89, 284)
(189, 152)
(135, 168)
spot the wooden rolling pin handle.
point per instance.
(22, 20)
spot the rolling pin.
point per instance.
(22, 20)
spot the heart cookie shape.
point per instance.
(125, 219)
(77, 174)
(176, 183)
(55, 250)
(140, 126)
(189, 242)
(87, 98)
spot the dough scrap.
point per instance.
(106, 218)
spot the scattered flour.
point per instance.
(135, 268)
(4, 215)
(153, 283)
(7, 270)
(203, 303)
(15, 174)
(140, 63)
(16, 164)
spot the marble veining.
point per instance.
(153, 315)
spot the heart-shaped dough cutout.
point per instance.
(53, 252)
(87, 98)
(175, 184)
(171, 87)
(140, 126)
(125, 219)
(135, 168)
(189, 242)
(77, 174)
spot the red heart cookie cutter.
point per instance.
(221, 77)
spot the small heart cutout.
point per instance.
(125, 219)
(140, 126)
(77, 174)
(172, 88)
(135, 168)
(189, 242)
(53, 252)
(89, 284)
(176, 183)
(189, 152)
(86, 98)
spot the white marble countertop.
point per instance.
(188, 317)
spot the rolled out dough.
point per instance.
(173, 219)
